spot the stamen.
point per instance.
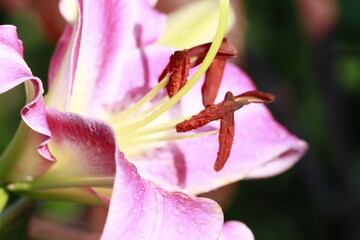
(156, 129)
(256, 97)
(179, 67)
(181, 61)
(224, 10)
(160, 139)
(226, 136)
(209, 114)
(148, 97)
(175, 75)
(197, 53)
(129, 120)
(212, 81)
(214, 74)
(225, 112)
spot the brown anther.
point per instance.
(226, 136)
(256, 97)
(225, 112)
(226, 51)
(178, 67)
(209, 114)
(215, 72)
(181, 61)
(212, 81)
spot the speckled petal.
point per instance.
(141, 210)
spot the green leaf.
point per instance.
(3, 199)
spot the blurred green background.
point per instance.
(317, 84)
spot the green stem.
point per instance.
(86, 182)
(11, 155)
(11, 213)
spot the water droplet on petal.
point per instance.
(282, 135)
(92, 128)
(181, 208)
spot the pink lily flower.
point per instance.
(81, 137)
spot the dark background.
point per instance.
(317, 84)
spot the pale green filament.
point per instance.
(161, 139)
(121, 126)
(224, 9)
(155, 129)
(148, 97)
(151, 109)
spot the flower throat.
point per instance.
(212, 58)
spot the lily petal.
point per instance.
(14, 71)
(83, 147)
(193, 24)
(59, 77)
(144, 65)
(141, 210)
(262, 147)
(107, 32)
(235, 230)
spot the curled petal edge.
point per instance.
(14, 71)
